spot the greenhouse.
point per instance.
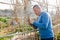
(14, 15)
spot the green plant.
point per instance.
(4, 19)
(58, 36)
(6, 38)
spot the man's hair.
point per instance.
(37, 6)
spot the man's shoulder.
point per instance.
(44, 13)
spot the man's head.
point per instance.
(37, 9)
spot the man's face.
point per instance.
(36, 10)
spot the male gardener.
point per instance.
(43, 23)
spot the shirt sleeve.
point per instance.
(44, 23)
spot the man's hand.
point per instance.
(29, 20)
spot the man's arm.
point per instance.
(44, 24)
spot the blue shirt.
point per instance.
(44, 24)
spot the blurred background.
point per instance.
(14, 15)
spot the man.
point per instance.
(43, 23)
